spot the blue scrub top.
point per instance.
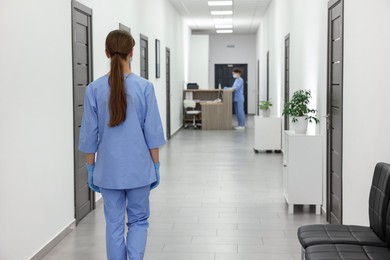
(238, 87)
(123, 156)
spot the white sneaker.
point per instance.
(239, 128)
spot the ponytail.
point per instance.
(119, 44)
(118, 102)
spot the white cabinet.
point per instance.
(302, 171)
(268, 133)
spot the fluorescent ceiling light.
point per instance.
(229, 12)
(224, 31)
(220, 3)
(223, 21)
(223, 26)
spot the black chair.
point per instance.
(355, 252)
(362, 238)
(342, 252)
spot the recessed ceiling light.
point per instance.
(229, 12)
(224, 31)
(223, 21)
(220, 3)
(223, 26)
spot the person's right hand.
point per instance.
(91, 170)
(157, 171)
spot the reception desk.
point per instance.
(216, 107)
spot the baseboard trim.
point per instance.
(55, 241)
(323, 211)
(177, 131)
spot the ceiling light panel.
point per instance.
(220, 3)
(224, 31)
(227, 12)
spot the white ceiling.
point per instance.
(246, 17)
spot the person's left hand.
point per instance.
(91, 170)
(157, 171)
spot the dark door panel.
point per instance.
(168, 85)
(337, 51)
(223, 76)
(336, 27)
(268, 73)
(336, 95)
(144, 56)
(286, 78)
(79, 92)
(336, 168)
(82, 53)
(336, 73)
(82, 75)
(335, 113)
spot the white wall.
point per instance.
(167, 26)
(244, 52)
(306, 22)
(366, 101)
(199, 61)
(36, 134)
(366, 54)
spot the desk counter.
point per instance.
(215, 115)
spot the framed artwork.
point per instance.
(157, 58)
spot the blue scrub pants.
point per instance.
(240, 113)
(136, 203)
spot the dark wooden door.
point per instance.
(223, 76)
(335, 113)
(168, 83)
(268, 65)
(144, 56)
(127, 29)
(82, 76)
(258, 88)
(124, 27)
(287, 78)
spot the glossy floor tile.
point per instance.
(218, 200)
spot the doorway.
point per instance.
(335, 112)
(127, 29)
(82, 76)
(124, 28)
(168, 84)
(287, 78)
(144, 56)
(268, 75)
(223, 76)
(258, 89)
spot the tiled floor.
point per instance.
(218, 201)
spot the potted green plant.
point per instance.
(265, 107)
(297, 108)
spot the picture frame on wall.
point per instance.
(157, 58)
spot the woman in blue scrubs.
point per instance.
(122, 125)
(238, 99)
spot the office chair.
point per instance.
(190, 104)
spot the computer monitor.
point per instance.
(192, 86)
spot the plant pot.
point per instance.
(300, 126)
(266, 113)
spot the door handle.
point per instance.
(327, 121)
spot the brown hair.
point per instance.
(119, 44)
(237, 70)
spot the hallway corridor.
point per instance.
(218, 201)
